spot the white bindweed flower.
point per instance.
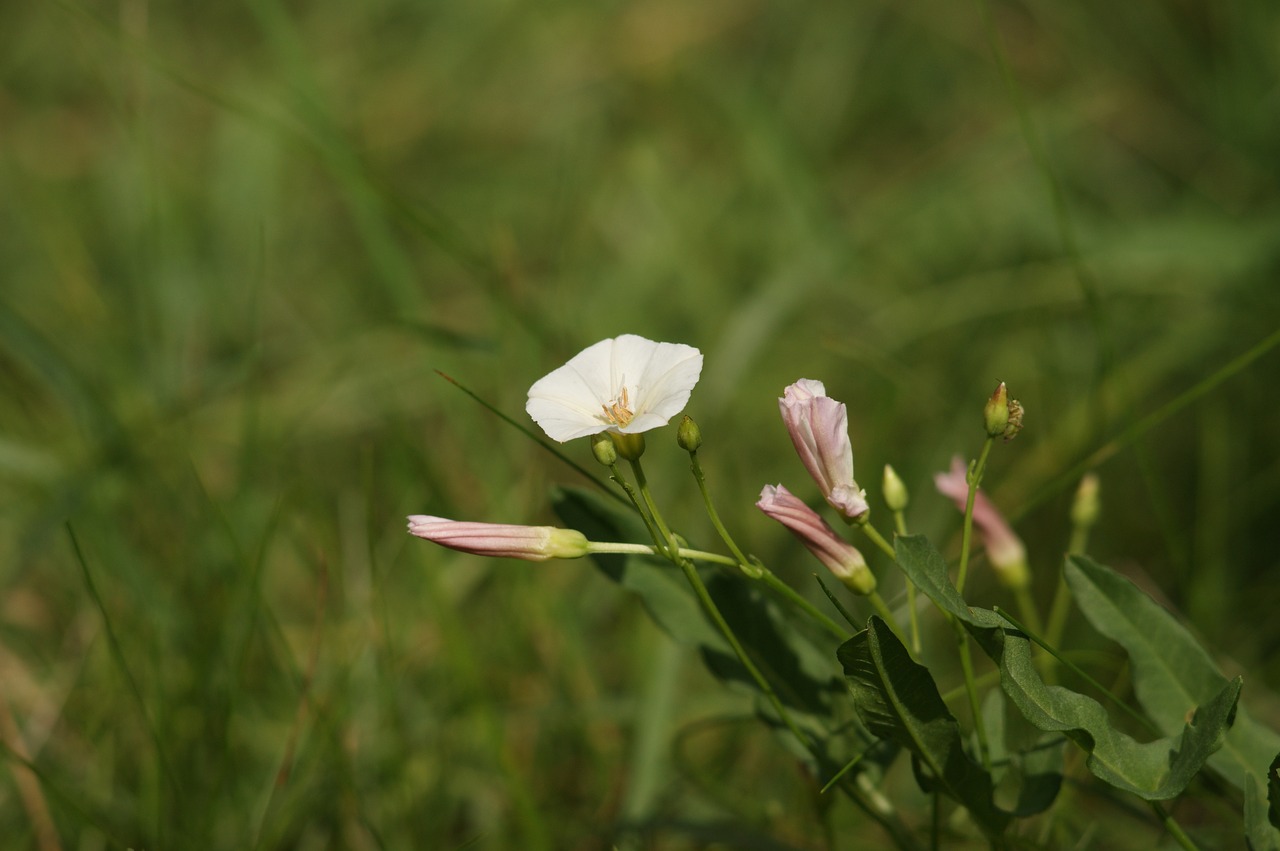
(626, 385)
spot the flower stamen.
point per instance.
(618, 412)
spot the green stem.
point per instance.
(752, 568)
(974, 478)
(877, 603)
(616, 475)
(971, 689)
(900, 527)
(1175, 830)
(1061, 605)
(713, 612)
(783, 589)
(711, 509)
(878, 539)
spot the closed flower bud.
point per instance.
(895, 492)
(995, 416)
(841, 558)
(532, 543)
(688, 435)
(603, 449)
(1086, 505)
(819, 430)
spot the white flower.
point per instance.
(627, 385)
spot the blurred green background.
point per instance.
(238, 238)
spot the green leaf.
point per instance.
(898, 700)
(1273, 792)
(1259, 828)
(1155, 771)
(1172, 672)
(799, 665)
(927, 569)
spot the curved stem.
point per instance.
(696, 468)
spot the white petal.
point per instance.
(658, 378)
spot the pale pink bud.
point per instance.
(534, 543)
(1005, 551)
(819, 428)
(840, 557)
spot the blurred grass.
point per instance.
(239, 238)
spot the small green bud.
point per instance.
(1086, 505)
(602, 447)
(895, 492)
(629, 446)
(995, 416)
(688, 435)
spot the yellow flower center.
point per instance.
(618, 412)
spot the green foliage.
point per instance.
(238, 239)
(1172, 672)
(897, 700)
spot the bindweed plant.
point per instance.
(852, 699)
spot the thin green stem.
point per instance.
(913, 617)
(1175, 830)
(878, 539)
(616, 475)
(974, 478)
(784, 590)
(844, 613)
(1027, 607)
(877, 603)
(713, 612)
(971, 689)
(664, 537)
(696, 468)
(1061, 605)
(752, 568)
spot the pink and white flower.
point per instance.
(499, 540)
(840, 557)
(819, 428)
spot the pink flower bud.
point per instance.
(819, 428)
(840, 557)
(534, 543)
(1005, 551)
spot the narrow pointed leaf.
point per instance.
(898, 700)
(1172, 672)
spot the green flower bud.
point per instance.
(1086, 505)
(602, 447)
(895, 492)
(995, 416)
(688, 435)
(629, 446)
